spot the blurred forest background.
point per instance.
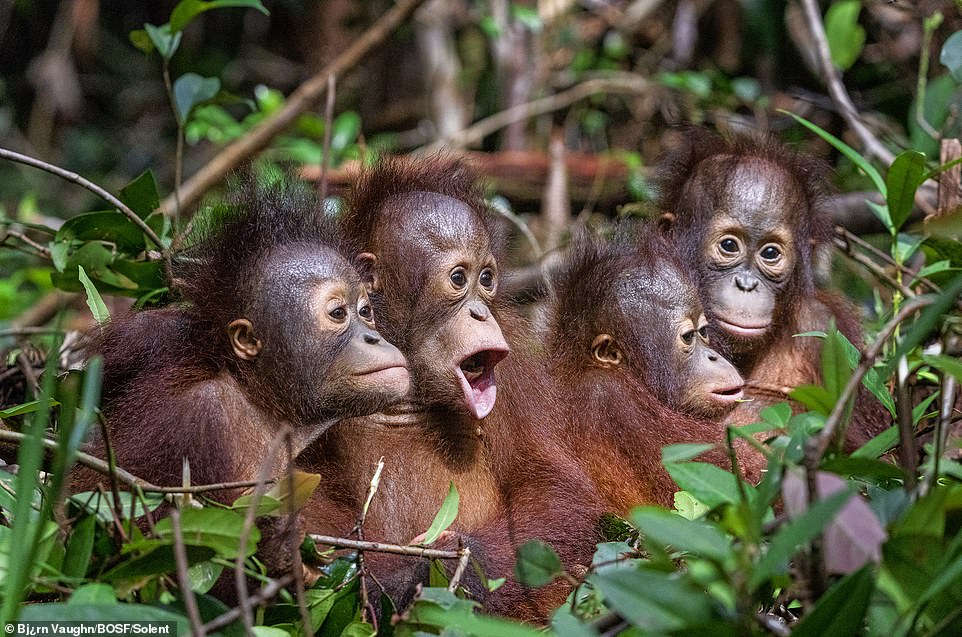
(514, 84)
(565, 105)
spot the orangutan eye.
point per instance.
(338, 313)
(365, 312)
(771, 253)
(458, 278)
(703, 332)
(688, 337)
(487, 278)
(729, 245)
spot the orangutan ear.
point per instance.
(365, 264)
(246, 346)
(605, 350)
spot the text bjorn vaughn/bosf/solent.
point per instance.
(75, 629)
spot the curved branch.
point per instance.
(97, 190)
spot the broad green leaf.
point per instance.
(710, 484)
(190, 90)
(946, 364)
(683, 452)
(93, 594)
(879, 444)
(142, 41)
(864, 467)
(159, 559)
(794, 535)
(653, 601)
(777, 415)
(94, 301)
(445, 515)
(270, 631)
(669, 529)
(103, 613)
(163, 39)
(815, 397)
(537, 564)
(904, 177)
(841, 609)
(109, 226)
(846, 37)
(141, 194)
(458, 621)
(849, 152)
(80, 547)
(187, 10)
(689, 506)
(218, 529)
(951, 55)
(881, 213)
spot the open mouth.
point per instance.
(728, 395)
(476, 375)
(748, 331)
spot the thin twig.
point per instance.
(889, 261)
(183, 579)
(297, 103)
(816, 446)
(908, 456)
(29, 374)
(381, 547)
(43, 250)
(265, 593)
(864, 260)
(97, 190)
(102, 466)
(462, 565)
(328, 125)
(622, 83)
(836, 89)
(294, 546)
(361, 567)
(520, 225)
(240, 578)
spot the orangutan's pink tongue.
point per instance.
(476, 374)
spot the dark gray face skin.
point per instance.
(436, 284)
(749, 253)
(318, 345)
(667, 343)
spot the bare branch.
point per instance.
(183, 579)
(101, 466)
(381, 547)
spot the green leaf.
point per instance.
(683, 452)
(537, 564)
(791, 537)
(96, 304)
(927, 321)
(881, 213)
(219, 529)
(141, 194)
(95, 594)
(669, 529)
(853, 156)
(879, 444)
(904, 177)
(108, 226)
(815, 397)
(159, 559)
(445, 515)
(951, 55)
(142, 41)
(836, 368)
(28, 407)
(163, 39)
(187, 10)
(841, 609)
(653, 601)
(80, 547)
(778, 415)
(710, 484)
(103, 613)
(846, 37)
(345, 129)
(946, 364)
(190, 90)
